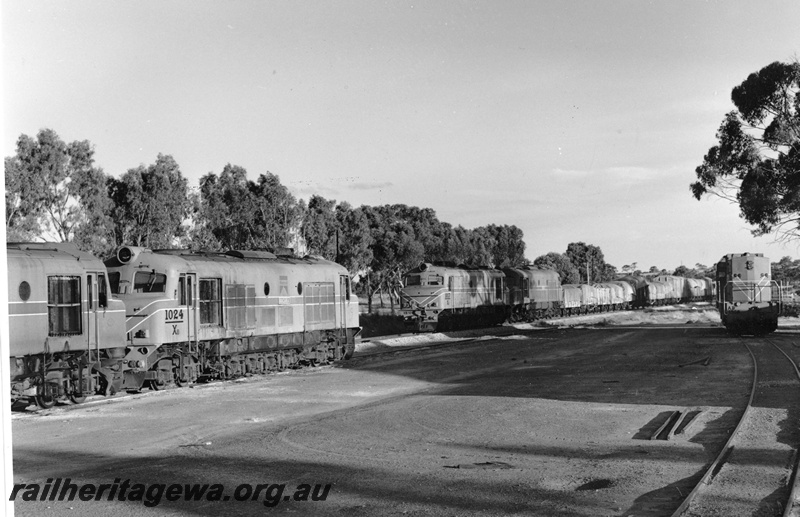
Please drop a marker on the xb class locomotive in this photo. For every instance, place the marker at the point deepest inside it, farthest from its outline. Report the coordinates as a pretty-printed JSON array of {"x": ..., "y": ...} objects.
[
  {"x": 197, "y": 316},
  {"x": 748, "y": 299},
  {"x": 78, "y": 326}
]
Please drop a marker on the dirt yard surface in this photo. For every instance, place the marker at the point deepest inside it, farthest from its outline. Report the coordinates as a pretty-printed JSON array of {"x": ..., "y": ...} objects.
[{"x": 550, "y": 421}]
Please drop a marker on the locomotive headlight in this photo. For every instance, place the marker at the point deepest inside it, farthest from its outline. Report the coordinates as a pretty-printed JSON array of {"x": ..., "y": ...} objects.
[
  {"x": 128, "y": 253},
  {"x": 124, "y": 255}
]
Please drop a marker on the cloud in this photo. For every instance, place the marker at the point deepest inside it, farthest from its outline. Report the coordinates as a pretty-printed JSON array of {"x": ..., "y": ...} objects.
[
  {"x": 367, "y": 185},
  {"x": 618, "y": 176},
  {"x": 334, "y": 188}
]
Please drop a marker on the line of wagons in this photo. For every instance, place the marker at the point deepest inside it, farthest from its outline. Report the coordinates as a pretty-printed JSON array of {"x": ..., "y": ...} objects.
[{"x": 441, "y": 296}]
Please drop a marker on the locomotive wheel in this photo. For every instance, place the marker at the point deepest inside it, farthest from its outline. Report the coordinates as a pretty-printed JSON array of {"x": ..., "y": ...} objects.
[
  {"x": 156, "y": 385},
  {"x": 45, "y": 400},
  {"x": 77, "y": 398}
]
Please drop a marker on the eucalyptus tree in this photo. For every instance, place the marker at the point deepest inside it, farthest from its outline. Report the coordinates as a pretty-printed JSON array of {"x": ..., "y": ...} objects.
[
  {"x": 355, "y": 241},
  {"x": 567, "y": 272},
  {"x": 236, "y": 213},
  {"x": 152, "y": 204},
  {"x": 224, "y": 211},
  {"x": 756, "y": 162},
  {"x": 508, "y": 249},
  {"x": 55, "y": 192},
  {"x": 277, "y": 212},
  {"x": 587, "y": 258},
  {"x": 320, "y": 228}
]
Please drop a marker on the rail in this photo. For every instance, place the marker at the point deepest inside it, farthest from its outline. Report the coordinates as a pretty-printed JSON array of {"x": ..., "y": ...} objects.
[{"x": 716, "y": 465}]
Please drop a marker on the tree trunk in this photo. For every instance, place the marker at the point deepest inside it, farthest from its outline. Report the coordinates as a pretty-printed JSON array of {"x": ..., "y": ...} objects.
[{"x": 369, "y": 295}]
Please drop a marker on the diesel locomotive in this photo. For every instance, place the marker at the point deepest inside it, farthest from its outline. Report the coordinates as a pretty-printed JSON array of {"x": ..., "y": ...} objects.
[
  {"x": 442, "y": 296},
  {"x": 197, "y": 316},
  {"x": 748, "y": 300},
  {"x": 79, "y": 326},
  {"x": 67, "y": 333}
]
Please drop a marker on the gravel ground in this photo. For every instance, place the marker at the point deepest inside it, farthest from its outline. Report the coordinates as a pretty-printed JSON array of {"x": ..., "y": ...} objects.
[{"x": 512, "y": 421}]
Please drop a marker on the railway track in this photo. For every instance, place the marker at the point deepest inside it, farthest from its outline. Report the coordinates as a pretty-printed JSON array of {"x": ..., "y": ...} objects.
[
  {"x": 755, "y": 472},
  {"x": 372, "y": 355}
]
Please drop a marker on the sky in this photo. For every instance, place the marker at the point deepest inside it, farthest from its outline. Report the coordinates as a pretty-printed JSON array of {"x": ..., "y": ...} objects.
[{"x": 573, "y": 120}]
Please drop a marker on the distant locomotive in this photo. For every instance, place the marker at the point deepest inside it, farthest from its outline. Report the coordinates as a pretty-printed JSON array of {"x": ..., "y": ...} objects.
[
  {"x": 748, "y": 299},
  {"x": 442, "y": 296},
  {"x": 78, "y": 326}
]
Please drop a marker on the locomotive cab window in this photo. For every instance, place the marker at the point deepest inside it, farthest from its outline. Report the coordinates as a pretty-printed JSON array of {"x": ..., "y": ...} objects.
[
  {"x": 102, "y": 291},
  {"x": 185, "y": 291},
  {"x": 64, "y": 305},
  {"x": 113, "y": 279},
  {"x": 413, "y": 280},
  {"x": 149, "y": 282},
  {"x": 435, "y": 280}
]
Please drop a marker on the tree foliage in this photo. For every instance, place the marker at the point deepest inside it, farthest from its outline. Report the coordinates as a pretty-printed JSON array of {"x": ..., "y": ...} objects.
[
  {"x": 786, "y": 271},
  {"x": 567, "y": 272},
  {"x": 277, "y": 211},
  {"x": 589, "y": 256},
  {"x": 151, "y": 204},
  {"x": 756, "y": 163},
  {"x": 54, "y": 192},
  {"x": 233, "y": 212},
  {"x": 320, "y": 227},
  {"x": 355, "y": 244}
]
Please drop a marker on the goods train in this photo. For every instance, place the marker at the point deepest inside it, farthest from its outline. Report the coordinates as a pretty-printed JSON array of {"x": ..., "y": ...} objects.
[
  {"x": 748, "y": 300},
  {"x": 146, "y": 318},
  {"x": 442, "y": 296}
]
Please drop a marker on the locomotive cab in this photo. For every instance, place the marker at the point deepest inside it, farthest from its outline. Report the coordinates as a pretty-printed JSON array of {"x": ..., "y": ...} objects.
[{"x": 748, "y": 299}]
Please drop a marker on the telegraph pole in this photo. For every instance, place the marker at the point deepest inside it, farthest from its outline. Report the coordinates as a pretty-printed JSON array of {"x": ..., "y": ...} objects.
[{"x": 588, "y": 278}]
